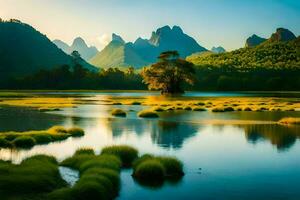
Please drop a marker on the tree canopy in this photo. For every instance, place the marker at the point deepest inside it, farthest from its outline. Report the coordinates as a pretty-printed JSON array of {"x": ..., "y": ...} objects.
[{"x": 169, "y": 73}]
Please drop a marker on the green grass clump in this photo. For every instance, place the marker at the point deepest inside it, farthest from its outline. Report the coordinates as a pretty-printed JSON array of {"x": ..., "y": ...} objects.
[
  {"x": 127, "y": 154},
  {"x": 148, "y": 114},
  {"x": 149, "y": 168},
  {"x": 187, "y": 108},
  {"x": 32, "y": 177},
  {"x": 24, "y": 142},
  {"x": 247, "y": 109},
  {"x": 5, "y": 143},
  {"x": 89, "y": 188},
  {"x": 199, "y": 109},
  {"x": 136, "y": 103},
  {"x": 289, "y": 120},
  {"x": 28, "y": 139},
  {"x": 76, "y": 132},
  {"x": 117, "y": 103},
  {"x": 158, "y": 109},
  {"x": 103, "y": 161},
  {"x": 46, "y": 109},
  {"x": 85, "y": 151},
  {"x": 228, "y": 109},
  {"x": 118, "y": 112},
  {"x": 218, "y": 110},
  {"x": 42, "y": 138},
  {"x": 76, "y": 160}
]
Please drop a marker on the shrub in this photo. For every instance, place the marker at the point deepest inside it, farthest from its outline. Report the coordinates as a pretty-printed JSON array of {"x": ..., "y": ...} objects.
[
  {"x": 126, "y": 153},
  {"x": 149, "y": 170},
  {"x": 118, "y": 112},
  {"x": 42, "y": 138},
  {"x": 76, "y": 132},
  {"x": 85, "y": 151},
  {"x": 24, "y": 142},
  {"x": 147, "y": 114}
]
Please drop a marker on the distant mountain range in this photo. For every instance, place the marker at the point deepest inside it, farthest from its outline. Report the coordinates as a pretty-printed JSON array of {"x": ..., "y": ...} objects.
[
  {"x": 79, "y": 45},
  {"x": 145, "y": 51},
  {"x": 281, "y": 34},
  {"x": 24, "y": 50},
  {"x": 280, "y": 51},
  {"x": 218, "y": 49}
]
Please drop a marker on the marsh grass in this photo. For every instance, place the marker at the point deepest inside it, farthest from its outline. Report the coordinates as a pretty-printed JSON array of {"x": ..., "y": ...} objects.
[
  {"x": 147, "y": 114},
  {"x": 118, "y": 112},
  {"x": 48, "y": 109},
  {"x": 28, "y": 139},
  {"x": 127, "y": 154},
  {"x": 219, "y": 109},
  {"x": 85, "y": 151},
  {"x": 158, "y": 109},
  {"x": 33, "y": 176},
  {"x": 152, "y": 170},
  {"x": 136, "y": 103},
  {"x": 199, "y": 109}
]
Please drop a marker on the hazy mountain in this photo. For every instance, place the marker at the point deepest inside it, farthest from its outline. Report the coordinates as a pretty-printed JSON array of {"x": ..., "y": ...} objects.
[
  {"x": 79, "y": 45},
  {"x": 254, "y": 40},
  {"x": 24, "y": 50},
  {"x": 218, "y": 49},
  {"x": 145, "y": 51},
  {"x": 280, "y": 44}
]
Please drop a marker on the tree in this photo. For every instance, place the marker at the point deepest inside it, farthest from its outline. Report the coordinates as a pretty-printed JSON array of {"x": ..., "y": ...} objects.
[{"x": 169, "y": 73}]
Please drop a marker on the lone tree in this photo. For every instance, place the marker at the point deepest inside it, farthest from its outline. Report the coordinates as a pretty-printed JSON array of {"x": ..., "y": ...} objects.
[{"x": 169, "y": 73}]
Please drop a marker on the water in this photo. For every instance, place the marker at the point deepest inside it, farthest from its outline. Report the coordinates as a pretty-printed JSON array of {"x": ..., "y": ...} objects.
[{"x": 242, "y": 161}]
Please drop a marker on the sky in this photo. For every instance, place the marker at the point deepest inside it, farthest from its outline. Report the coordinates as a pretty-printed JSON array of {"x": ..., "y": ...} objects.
[{"x": 225, "y": 23}]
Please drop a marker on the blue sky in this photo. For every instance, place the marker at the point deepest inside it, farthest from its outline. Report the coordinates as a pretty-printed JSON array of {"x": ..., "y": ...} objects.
[{"x": 211, "y": 22}]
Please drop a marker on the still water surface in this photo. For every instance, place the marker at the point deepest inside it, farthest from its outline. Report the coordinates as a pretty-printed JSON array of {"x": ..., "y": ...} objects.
[{"x": 260, "y": 161}]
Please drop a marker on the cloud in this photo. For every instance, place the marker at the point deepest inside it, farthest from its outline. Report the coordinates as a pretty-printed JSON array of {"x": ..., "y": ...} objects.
[{"x": 104, "y": 39}]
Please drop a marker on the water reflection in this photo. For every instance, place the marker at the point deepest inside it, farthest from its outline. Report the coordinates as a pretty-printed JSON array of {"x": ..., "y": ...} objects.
[{"x": 283, "y": 137}]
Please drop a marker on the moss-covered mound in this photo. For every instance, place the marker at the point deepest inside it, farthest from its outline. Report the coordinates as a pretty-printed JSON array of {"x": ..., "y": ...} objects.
[
  {"x": 118, "y": 112},
  {"x": 127, "y": 154},
  {"x": 28, "y": 139},
  {"x": 33, "y": 178},
  {"x": 152, "y": 170},
  {"x": 148, "y": 114}
]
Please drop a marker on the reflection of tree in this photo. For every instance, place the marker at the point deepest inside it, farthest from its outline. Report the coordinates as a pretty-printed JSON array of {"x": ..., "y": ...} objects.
[
  {"x": 120, "y": 126},
  {"x": 283, "y": 137},
  {"x": 172, "y": 134}
]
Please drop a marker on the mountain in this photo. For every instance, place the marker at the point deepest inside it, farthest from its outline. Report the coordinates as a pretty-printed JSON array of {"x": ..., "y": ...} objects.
[
  {"x": 79, "y": 45},
  {"x": 274, "y": 53},
  {"x": 145, "y": 51},
  {"x": 282, "y": 35},
  {"x": 24, "y": 50},
  {"x": 254, "y": 40},
  {"x": 218, "y": 49}
]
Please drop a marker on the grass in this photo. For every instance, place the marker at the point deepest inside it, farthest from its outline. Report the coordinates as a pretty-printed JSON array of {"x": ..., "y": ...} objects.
[
  {"x": 47, "y": 109},
  {"x": 127, "y": 154},
  {"x": 158, "y": 109},
  {"x": 218, "y": 110},
  {"x": 148, "y": 114},
  {"x": 118, "y": 112},
  {"x": 152, "y": 169},
  {"x": 24, "y": 142},
  {"x": 136, "y": 103},
  {"x": 28, "y": 139},
  {"x": 34, "y": 176},
  {"x": 289, "y": 120},
  {"x": 199, "y": 109},
  {"x": 85, "y": 151}
]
